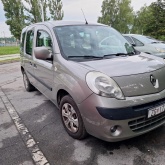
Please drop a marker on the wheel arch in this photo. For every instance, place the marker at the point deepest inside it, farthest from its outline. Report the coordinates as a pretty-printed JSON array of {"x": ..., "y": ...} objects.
[
  {"x": 22, "y": 69},
  {"x": 60, "y": 94}
]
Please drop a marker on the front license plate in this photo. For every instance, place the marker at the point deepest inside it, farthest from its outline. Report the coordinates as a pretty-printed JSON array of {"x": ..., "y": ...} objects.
[{"x": 155, "y": 111}]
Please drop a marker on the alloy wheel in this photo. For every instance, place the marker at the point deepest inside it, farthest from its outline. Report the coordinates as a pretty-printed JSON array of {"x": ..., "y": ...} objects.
[{"x": 70, "y": 118}]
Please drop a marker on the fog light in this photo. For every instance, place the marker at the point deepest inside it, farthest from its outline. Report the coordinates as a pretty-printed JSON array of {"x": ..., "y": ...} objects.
[{"x": 115, "y": 130}]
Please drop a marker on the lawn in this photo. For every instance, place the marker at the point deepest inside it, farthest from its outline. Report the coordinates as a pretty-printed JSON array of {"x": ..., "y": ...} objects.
[{"x": 9, "y": 50}]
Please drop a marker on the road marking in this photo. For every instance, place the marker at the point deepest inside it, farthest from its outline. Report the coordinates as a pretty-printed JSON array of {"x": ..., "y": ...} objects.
[{"x": 37, "y": 155}]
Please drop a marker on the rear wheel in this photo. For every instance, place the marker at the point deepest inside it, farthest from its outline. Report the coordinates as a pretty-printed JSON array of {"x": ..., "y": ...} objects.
[
  {"x": 71, "y": 118},
  {"x": 28, "y": 86}
]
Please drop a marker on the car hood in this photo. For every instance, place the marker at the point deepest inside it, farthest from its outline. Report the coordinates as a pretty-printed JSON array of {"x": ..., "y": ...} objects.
[
  {"x": 133, "y": 73},
  {"x": 158, "y": 45},
  {"x": 128, "y": 65}
]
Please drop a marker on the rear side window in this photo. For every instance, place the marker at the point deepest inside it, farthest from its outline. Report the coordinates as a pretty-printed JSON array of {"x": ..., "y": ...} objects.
[
  {"x": 128, "y": 39},
  {"x": 29, "y": 42},
  {"x": 22, "y": 41},
  {"x": 43, "y": 39},
  {"x": 137, "y": 42}
]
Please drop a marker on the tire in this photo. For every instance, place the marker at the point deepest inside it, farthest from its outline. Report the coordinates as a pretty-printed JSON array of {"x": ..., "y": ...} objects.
[
  {"x": 71, "y": 118},
  {"x": 28, "y": 86}
]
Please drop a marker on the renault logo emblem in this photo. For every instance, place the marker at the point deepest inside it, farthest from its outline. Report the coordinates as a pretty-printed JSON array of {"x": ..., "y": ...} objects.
[{"x": 154, "y": 81}]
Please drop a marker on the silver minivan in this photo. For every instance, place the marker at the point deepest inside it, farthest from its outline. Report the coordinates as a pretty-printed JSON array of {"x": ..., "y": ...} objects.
[{"x": 99, "y": 82}]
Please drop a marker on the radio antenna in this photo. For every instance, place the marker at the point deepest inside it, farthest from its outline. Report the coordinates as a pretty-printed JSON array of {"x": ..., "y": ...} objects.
[{"x": 84, "y": 17}]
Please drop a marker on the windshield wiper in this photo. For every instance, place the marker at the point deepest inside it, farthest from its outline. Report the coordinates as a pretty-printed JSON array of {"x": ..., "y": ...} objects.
[
  {"x": 86, "y": 57},
  {"x": 120, "y": 54}
]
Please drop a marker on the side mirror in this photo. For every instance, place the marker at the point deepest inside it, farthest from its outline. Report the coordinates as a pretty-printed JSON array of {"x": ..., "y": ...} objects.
[
  {"x": 42, "y": 53},
  {"x": 133, "y": 45}
]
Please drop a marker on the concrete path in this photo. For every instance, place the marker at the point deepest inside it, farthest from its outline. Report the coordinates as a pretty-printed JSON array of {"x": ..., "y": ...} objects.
[{"x": 9, "y": 57}]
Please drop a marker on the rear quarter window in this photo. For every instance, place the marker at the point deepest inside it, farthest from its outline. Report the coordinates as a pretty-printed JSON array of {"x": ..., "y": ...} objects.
[
  {"x": 22, "y": 41},
  {"x": 29, "y": 42},
  {"x": 128, "y": 39}
]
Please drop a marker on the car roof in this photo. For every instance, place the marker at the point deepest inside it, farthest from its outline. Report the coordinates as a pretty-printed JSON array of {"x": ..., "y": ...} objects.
[
  {"x": 52, "y": 24},
  {"x": 132, "y": 35}
]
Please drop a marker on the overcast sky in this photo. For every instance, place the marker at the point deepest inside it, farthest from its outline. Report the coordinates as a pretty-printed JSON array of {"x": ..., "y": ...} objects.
[{"x": 72, "y": 11}]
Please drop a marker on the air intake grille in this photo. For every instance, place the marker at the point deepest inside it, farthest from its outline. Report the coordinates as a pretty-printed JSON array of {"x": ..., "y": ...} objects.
[{"x": 143, "y": 124}]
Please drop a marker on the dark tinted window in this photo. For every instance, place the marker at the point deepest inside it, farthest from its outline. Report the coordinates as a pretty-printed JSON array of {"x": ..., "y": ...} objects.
[
  {"x": 29, "y": 42},
  {"x": 129, "y": 39},
  {"x": 137, "y": 42},
  {"x": 22, "y": 41}
]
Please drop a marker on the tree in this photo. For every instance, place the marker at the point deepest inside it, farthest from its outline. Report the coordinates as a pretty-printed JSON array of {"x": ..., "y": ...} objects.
[
  {"x": 19, "y": 15},
  {"x": 55, "y": 7},
  {"x": 34, "y": 14},
  {"x": 141, "y": 19},
  {"x": 156, "y": 25},
  {"x": 117, "y": 13},
  {"x": 150, "y": 20},
  {"x": 15, "y": 16}
]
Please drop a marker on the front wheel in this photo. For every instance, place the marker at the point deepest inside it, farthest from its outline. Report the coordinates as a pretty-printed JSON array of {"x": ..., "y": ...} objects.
[{"x": 71, "y": 118}]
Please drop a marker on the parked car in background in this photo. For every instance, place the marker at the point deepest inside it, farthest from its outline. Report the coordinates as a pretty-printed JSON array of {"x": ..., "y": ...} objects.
[
  {"x": 145, "y": 44},
  {"x": 99, "y": 82},
  {"x": 155, "y": 39}
]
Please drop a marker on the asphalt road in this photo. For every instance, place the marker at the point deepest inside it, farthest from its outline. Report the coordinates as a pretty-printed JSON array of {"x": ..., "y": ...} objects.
[{"x": 26, "y": 115}]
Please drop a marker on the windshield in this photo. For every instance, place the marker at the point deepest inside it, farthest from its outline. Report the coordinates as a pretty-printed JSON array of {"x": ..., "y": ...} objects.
[
  {"x": 90, "y": 40},
  {"x": 145, "y": 39}
]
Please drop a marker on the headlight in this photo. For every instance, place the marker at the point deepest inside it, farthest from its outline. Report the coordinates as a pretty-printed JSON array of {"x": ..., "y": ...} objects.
[
  {"x": 160, "y": 50},
  {"x": 103, "y": 85}
]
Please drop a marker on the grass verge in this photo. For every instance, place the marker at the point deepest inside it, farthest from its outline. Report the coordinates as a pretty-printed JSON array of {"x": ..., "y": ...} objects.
[{"x": 6, "y": 50}]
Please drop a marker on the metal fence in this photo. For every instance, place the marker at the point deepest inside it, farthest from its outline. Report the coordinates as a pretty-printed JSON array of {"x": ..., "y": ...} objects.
[{"x": 9, "y": 44}]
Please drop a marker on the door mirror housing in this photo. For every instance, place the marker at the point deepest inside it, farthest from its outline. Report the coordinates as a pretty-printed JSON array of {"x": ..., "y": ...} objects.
[
  {"x": 42, "y": 53},
  {"x": 134, "y": 45}
]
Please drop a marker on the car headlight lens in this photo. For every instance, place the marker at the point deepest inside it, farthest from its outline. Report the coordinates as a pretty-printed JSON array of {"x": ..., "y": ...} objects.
[
  {"x": 103, "y": 85},
  {"x": 160, "y": 50}
]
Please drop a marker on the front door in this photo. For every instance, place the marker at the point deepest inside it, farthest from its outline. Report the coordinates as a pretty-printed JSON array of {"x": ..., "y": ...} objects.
[{"x": 43, "y": 69}]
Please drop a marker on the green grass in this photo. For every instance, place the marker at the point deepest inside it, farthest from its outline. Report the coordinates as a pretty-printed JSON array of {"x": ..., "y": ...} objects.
[{"x": 9, "y": 50}]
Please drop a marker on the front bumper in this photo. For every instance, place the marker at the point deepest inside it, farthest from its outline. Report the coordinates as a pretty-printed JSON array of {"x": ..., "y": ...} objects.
[{"x": 100, "y": 114}]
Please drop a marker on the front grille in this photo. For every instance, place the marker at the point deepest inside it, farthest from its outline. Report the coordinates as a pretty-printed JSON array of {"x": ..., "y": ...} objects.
[{"x": 143, "y": 124}]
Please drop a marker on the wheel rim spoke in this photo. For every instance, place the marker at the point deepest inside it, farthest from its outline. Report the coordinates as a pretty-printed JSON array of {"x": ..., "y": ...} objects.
[
  {"x": 73, "y": 128},
  {"x": 65, "y": 114},
  {"x": 70, "y": 118},
  {"x": 75, "y": 121},
  {"x": 65, "y": 106},
  {"x": 67, "y": 122},
  {"x": 72, "y": 111}
]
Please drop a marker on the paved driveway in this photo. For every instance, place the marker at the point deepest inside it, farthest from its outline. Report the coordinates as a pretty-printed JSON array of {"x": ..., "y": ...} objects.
[
  {"x": 9, "y": 57},
  {"x": 33, "y": 133}
]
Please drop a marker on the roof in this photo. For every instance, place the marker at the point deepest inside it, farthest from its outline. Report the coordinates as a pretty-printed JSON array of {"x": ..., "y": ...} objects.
[
  {"x": 132, "y": 35},
  {"x": 52, "y": 24}
]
